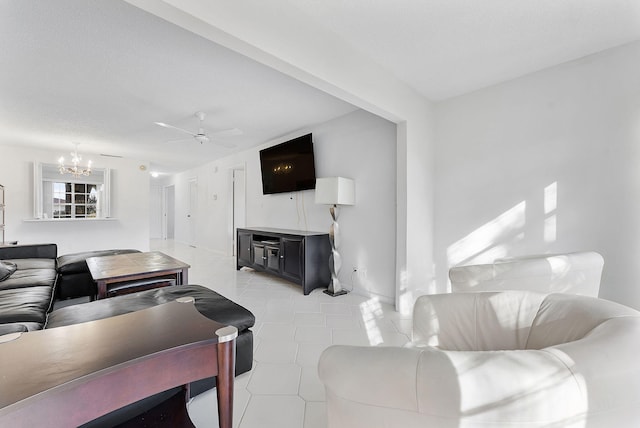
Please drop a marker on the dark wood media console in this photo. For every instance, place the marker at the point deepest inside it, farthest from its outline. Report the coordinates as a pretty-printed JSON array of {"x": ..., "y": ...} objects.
[{"x": 298, "y": 256}]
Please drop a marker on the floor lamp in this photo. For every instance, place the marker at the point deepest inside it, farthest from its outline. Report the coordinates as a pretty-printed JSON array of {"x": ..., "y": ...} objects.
[{"x": 335, "y": 191}]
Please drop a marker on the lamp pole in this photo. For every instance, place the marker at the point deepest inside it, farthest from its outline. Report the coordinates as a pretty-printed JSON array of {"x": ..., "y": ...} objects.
[{"x": 335, "y": 260}]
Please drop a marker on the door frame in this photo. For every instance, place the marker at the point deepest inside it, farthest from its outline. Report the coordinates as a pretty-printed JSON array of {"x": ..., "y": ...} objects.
[
  {"x": 168, "y": 211},
  {"x": 192, "y": 190},
  {"x": 234, "y": 193}
]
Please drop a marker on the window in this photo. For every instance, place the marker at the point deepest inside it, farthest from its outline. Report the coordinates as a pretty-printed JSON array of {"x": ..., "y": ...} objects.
[
  {"x": 58, "y": 196},
  {"x": 73, "y": 200}
]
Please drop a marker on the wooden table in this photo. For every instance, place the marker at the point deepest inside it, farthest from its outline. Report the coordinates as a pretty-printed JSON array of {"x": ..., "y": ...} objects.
[
  {"x": 131, "y": 267},
  {"x": 67, "y": 376}
]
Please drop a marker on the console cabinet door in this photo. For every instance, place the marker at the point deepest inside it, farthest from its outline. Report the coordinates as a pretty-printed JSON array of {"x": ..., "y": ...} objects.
[
  {"x": 259, "y": 255},
  {"x": 292, "y": 258},
  {"x": 244, "y": 249},
  {"x": 272, "y": 262}
]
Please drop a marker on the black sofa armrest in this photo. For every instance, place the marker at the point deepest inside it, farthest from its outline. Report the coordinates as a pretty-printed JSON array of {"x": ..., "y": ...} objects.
[
  {"x": 35, "y": 251},
  {"x": 12, "y": 328}
]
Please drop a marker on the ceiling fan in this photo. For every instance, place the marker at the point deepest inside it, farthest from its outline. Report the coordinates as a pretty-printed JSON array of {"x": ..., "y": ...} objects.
[{"x": 203, "y": 137}]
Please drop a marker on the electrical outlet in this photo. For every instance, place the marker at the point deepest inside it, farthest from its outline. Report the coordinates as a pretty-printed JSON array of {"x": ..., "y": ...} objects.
[{"x": 360, "y": 272}]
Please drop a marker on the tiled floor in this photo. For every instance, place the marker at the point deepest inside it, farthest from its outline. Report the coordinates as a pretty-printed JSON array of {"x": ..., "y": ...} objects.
[{"x": 291, "y": 331}]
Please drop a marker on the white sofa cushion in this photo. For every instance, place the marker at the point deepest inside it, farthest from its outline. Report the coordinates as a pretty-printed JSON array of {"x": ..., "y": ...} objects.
[
  {"x": 489, "y": 386},
  {"x": 475, "y": 322},
  {"x": 564, "y": 318},
  {"x": 575, "y": 273}
]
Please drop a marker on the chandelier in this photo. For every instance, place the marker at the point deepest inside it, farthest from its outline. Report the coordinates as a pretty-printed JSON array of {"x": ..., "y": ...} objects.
[{"x": 75, "y": 170}]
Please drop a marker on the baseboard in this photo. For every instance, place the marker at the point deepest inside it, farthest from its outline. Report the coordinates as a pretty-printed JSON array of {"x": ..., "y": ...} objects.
[{"x": 367, "y": 293}]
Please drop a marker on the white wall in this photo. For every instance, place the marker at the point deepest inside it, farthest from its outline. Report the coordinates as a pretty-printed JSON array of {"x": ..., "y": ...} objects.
[
  {"x": 361, "y": 146},
  {"x": 546, "y": 163},
  {"x": 155, "y": 211},
  {"x": 129, "y": 205},
  {"x": 323, "y": 60}
]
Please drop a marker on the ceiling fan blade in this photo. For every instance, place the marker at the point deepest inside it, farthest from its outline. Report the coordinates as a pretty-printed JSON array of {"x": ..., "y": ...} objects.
[
  {"x": 232, "y": 132},
  {"x": 180, "y": 140},
  {"x": 166, "y": 125}
]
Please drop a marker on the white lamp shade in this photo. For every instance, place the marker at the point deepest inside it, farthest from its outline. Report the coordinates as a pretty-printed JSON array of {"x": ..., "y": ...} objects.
[{"x": 335, "y": 191}]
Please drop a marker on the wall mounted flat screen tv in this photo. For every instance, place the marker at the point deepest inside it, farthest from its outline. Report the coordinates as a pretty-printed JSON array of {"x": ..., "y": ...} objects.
[{"x": 288, "y": 167}]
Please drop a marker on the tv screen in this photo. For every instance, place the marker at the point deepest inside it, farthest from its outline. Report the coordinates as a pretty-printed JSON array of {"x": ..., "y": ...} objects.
[{"x": 288, "y": 167}]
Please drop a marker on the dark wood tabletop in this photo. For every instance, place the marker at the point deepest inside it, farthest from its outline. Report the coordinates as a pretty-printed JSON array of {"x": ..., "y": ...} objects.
[
  {"x": 124, "y": 265},
  {"x": 67, "y": 376},
  {"x": 121, "y": 268}
]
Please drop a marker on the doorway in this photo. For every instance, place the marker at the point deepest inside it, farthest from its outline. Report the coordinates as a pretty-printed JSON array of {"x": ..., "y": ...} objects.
[
  {"x": 193, "y": 209},
  {"x": 169, "y": 213},
  {"x": 156, "y": 213},
  {"x": 239, "y": 205}
]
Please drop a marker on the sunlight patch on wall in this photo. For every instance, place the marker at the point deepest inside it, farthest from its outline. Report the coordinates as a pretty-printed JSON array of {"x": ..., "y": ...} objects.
[
  {"x": 550, "y": 206},
  {"x": 488, "y": 236},
  {"x": 550, "y": 228},
  {"x": 551, "y": 198},
  {"x": 404, "y": 303}
]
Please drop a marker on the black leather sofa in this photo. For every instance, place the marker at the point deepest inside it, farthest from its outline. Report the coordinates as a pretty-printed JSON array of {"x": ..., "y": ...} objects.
[{"x": 27, "y": 297}]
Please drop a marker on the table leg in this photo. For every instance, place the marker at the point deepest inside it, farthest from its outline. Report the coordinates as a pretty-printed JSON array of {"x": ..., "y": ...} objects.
[
  {"x": 102, "y": 289},
  {"x": 226, "y": 374}
]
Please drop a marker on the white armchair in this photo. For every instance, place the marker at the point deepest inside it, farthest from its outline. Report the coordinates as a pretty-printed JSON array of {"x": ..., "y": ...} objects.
[
  {"x": 575, "y": 273},
  {"x": 494, "y": 359}
]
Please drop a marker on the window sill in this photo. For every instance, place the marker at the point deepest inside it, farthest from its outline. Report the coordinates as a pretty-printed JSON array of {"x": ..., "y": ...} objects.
[{"x": 58, "y": 220}]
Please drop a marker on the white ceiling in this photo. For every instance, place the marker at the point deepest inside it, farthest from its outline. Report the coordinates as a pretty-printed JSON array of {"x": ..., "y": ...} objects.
[
  {"x": 101, "y": 72},
  {"x": 445, "y": 48}
]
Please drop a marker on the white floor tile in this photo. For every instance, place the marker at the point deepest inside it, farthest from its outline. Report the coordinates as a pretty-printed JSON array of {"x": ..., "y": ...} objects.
[
  {"x": 309, "y": 319},
  {"x": 276, "y": 351},
  {"x": 313, "y": 334},
  {"x": 203, "y": 409},
  {"x": 343, "y": 321},
  {"x": 285, "y": 316},
  {"x": 307, "y": 304},
  {"x": 291, "y": 331},
  {"x": 311, "y": 389},
  {"x": 394, "y": 339},
  {"x": 270, "y": 411},
  {"x": 275, "y": 379},
  {"x": 404, "y": 326},
  {"x": 309, "y": 354},
  {"x": 335, "y": 308},
  {"x": 357, "y": 337},
  {"x": 315, "y": 415},
  {"x": 381, "y": 324},
  {"x": 278, "y": 305},
  {"x": 276, "y": 331}
]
